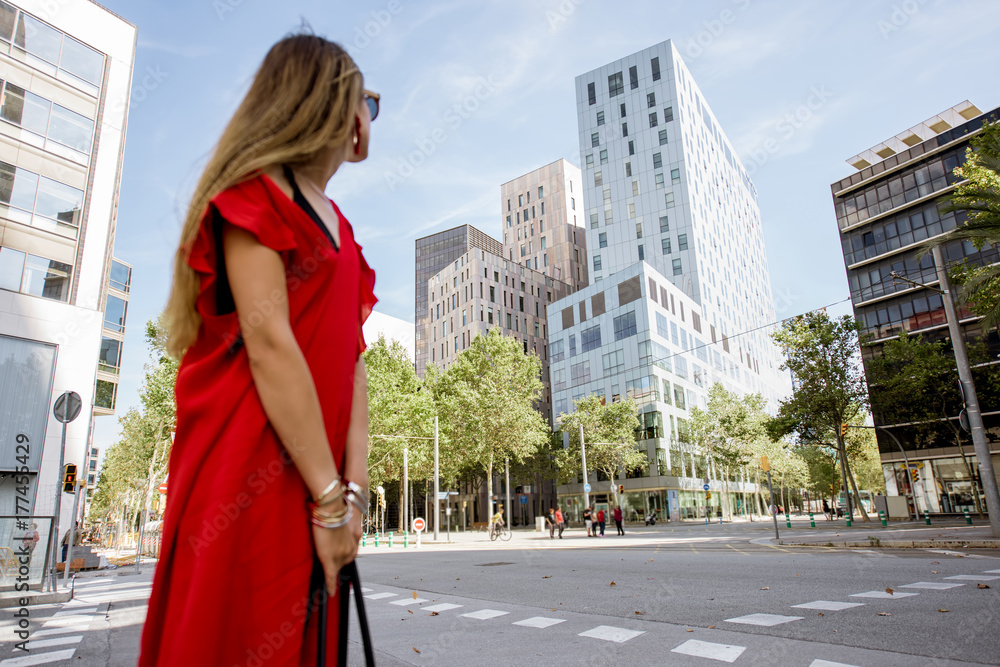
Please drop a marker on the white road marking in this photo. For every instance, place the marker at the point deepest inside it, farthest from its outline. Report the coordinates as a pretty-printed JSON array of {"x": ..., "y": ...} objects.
[
  {"x": 958, "y": 553},
  {"x": 66, "y": 621},
  {"x": 992, "y": 571},
  {"x": 80, "y": 627},
  {"x": 612, "y": 634},
  {"x": 827, "y": 605},
  {"x": 485, "y": 614},
  {"x": 873, "y": 554},
  {"x": 827, "y": 663},
  {"x": 882, "y": 595},
  {"x": 710, "y": 650},
  {"x": 406, "y": 601},
  {"x": 539, "y": 622},
  {"x": 379, "y": 596},
  {"x": 90, "y": 610},
  {"x": 57, "y": 641},
  {"x": 766, "y": 620},
  {"x": 932, "y": 585},
  {"x": 973, "y": 577},
  {"x": 39, "y": 658},
  {"x": 444, "y": 606}
]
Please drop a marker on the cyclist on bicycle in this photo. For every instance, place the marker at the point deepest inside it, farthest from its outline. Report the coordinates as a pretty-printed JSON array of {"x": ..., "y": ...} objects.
[{"x": 496, "y": 521}]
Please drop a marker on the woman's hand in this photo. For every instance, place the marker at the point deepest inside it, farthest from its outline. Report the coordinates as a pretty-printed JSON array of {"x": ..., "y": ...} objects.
[{"x": 336, "y": 547}]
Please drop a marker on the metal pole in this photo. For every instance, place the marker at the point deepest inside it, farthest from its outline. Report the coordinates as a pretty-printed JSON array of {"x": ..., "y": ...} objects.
[
  {"x": 72, "y": 533},
  {"x": 406, "y": 491},
  {"x": 510, "y": 512},
  {"x": 842, "y": 454},
  {"x": 773, "y": 509},
  {"x": 979, "y": 441},
  {"x": 583, "y": 456},
  {"x": 906, "y": 461},
  {"x": 437, "y": 482},
  {"x": 53, "y": 584}
]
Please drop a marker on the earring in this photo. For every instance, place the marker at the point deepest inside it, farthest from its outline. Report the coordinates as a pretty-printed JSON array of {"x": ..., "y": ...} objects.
[{"x": 357, "y": 136}]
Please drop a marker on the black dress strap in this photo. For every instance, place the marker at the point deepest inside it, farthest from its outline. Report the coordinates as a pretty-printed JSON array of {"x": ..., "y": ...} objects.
[{"x": 304, "y": 204}]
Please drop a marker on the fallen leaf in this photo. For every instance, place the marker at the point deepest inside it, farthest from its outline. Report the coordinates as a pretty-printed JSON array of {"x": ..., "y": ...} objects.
[
  {"x": 944, "y": 610},
  {"x": 982, "y": 586},
  {"x": 640, "y": 613},
  {"x": 935, "y": 562},
  {"x": 690, "y": 630},
  {"x": 458, "y": 578},
  {"x": 395, "y": 577},
  {"x": 933, "y": 571},
  {"x": 819, "y": 613},
  {"x": 553, "y": 610},
  {"x": 711, "y": 627},
  {"x": 613, "y": 583},
  {"x": 766, "y": 588},
  {"x": 884, "y": 613},
  {"x": 798, "y": 575},
  {"x": 409, "y": 611},
  {"x": 650, "y": 560},
  {"x": 435, "y": 613},
  {"x": 416, "y": 649},
  {"x": 959, "y": 556},
  {"x": 547, "y": 576},
  {"x": 889, "y": 591}
]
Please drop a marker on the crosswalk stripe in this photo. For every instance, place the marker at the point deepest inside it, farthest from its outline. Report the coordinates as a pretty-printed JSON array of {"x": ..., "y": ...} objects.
[
  {"x": 56, "y": 641},
  {"x": 931, "y": 585},
  {"x": 827, "y": 605},
  {"x": 407, "y": 601},
  {"x": 444, "y": 606},
  {"x": 992, "y": 572},
  {"x": 47, "y": 632},
  {"x": 67, "y": 620},
  {"x": 973, "y": 577},
  {"x": 710, "y": 650},
  {"x": 826, "y": 663},
  {"x": 379, "y": 596},
  {"x": 485, "y": 614},
  {"x": 38, "y": 658},
  {"x": 539, "y": 622},
  {"x": 766, "y": 620},
  {"x": 612, "y": 634},
  {"x": 76, "y": 611},
  {"x": 882, "y": 595}
]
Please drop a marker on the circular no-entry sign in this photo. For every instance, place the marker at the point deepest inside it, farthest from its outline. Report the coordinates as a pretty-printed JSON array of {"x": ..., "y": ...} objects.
[
  {"x": 163, "y": 488},
  {"x": 418, "y": 524},
  {"x": 67, "y": 407}
]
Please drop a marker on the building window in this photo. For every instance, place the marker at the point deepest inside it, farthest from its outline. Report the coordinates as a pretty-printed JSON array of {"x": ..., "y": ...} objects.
[
  {"x": 592, "y": 93},
  {"x": 652, "y": 119},
  {"x": 572, "y": 343},
  {"x": 543, "y": 243},
  {"x": 677, "y": 267},
  {"x": 558, "y": 378},
  {"x": 590, "y": 339},
  {"x": 608, "y": 216},
  {"x": 104, "y": 394},
  {"x": 493, "y": 294},
  {"x": 635, "y": 188},
  {"x": 593, "y": 221},
  {"x": 556, "y": 351},
  {"x": 633, "y": 77},
  {"x": 613, "y": 362},
  {"x": 669, "y": 199},
  {"x": 628, "y": 168},
  {"x": 600, "y": 118},
  {"x": 631, "y": 210},
  {"x": 121, "y": 277},
  {"x": 682, "y": 241},
  {"x": 654, "y": 65},
  {"x": 509, "y": 223},
  {"x": 663, "y": 137},
  {"x": 616, "y": 85},
  {"x": 604, "y": 156},
  {"x": 664, "y": 224},
  {"x": 40, "y": 202},
  {"x": 572, "y": 203},
  {"x": 659, "y": 181},
  {"x": 642, "y": 253},
  {"x": 580, "y": 372},
  {"x": 597, "y": 262},
  {"x": 622, "y": 107},
  {"x": 631, "y": 148},
  {"x": 590, "y": 159},
  {"x": 595, "y": 140},
  {"x": 638, "y": 230},
  {"x": 625, "y": 325},
  {"x": 110, "y": 355},
  {"x": 675, "y": 175},
  {"x": 629, "y": 290},
  {"x": 665, "y": 244},
  {"x": 523, "y": 250},
  {"x": 650, "y": 100},
  {"x": 38, "y": 276},
  {"x": 598, "y": 178},
  {"x": 657, "y": 161},
  {"x": 624, "y": 129},
  {"x": 602, "y": 240},
  {"x": 668, "y": 114},
  {"x": 545, "y": 259}
]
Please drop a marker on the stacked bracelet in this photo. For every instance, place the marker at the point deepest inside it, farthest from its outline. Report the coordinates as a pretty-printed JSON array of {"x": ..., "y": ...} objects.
[
  {"x": 323, "y": 499},
  {"x": 324, "y": 520},
  {"x": 356, "y": 494}
]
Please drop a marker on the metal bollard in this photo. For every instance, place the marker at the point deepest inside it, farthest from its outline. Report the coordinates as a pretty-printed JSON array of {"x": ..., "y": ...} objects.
[
  {"x": 848, "y": 517},
  {"x": 968, "y": 519},
  {"x": 881, "y": 516},
  {"x": 406, "y": 540},
  {"x": 390, "y": 539},
  {"x": 376, "y": 540},
  {"x": 788, "y": 520},
  {"x": 812, "y": 520},
  {"x": 364, "y": 538},
  {"x": 927, "y": 517}
]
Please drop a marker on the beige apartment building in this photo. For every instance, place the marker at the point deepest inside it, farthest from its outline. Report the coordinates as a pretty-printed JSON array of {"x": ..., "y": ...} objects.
[{"x": 543, "y": 225}]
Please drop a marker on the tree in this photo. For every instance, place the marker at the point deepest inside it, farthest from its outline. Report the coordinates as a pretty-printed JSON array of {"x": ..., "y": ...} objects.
[
  {"x": 829, "y": 386},
  {"x": 486, "y": 399},
  {"x": 979, "y": 198},
  {"x": 609, "y": 436},
  {"x": 911, "y": 367}
]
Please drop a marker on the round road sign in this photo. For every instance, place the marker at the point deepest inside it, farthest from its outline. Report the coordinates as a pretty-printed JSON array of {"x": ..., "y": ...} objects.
[
  {"x": 163, "y": 488},
  {"x": 586, "y": 488},
  {"x": 67, "y": 407},
  {"x": 705, "y": 487},
  {"x": 418, "y": 524}
]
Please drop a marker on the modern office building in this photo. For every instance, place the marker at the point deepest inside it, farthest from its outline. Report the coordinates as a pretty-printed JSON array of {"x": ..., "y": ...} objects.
[
  {"x": 636, "y": 334},
  {"x": 542, "y": 213},
  {"x": 662, "y": 184},
  {"x": 480, "y": 291},
  {"x": 66, "y": 71},
  {"x": 434, "y": 253},
  {"x": 885, "y": 210}
]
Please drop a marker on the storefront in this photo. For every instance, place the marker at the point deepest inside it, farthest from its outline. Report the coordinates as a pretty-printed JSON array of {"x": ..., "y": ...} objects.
[{"x": 938, "y": 486}]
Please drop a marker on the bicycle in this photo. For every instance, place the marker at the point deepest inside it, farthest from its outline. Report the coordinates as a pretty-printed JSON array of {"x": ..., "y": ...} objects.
[{"x": 501, "y": 531}]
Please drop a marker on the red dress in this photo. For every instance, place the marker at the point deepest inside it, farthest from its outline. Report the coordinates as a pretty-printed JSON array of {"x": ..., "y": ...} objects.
[{"x": 233, "y": 580}]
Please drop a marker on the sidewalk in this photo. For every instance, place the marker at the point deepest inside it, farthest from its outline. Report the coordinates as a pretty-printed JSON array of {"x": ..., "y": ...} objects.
[{"x": 946, "y": 535}]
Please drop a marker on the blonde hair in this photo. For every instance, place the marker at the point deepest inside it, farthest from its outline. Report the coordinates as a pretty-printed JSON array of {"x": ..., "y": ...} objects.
[{"x": 302, "y": 101}]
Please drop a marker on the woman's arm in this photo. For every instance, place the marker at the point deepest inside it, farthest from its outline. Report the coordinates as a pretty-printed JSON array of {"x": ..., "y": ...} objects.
[{"x": 356, "y": 463}]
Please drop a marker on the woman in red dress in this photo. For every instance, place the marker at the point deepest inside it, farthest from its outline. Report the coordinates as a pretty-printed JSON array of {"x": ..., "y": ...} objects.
[{"x": 268, "y": 473}]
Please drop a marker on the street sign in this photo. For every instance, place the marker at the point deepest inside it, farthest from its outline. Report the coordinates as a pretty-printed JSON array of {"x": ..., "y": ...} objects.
[
  {"x": 963, "y": 419},
  {"x": 442, "y": 495},
  {"x": 163, "y": 488},
  {"x": 586, "y": 488},
  {"x": 524, "y": 500},
  {"x": 765, "y": 465},
  {"x": 705, "y": 487},
  {"x": 418, "y": 524},
  {"x": 67, "y": 407}
]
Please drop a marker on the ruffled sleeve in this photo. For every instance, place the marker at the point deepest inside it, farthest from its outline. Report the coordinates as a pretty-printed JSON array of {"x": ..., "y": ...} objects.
[
  {"x": 249, "y": 206},
  {"x": 366, "y": 296}
]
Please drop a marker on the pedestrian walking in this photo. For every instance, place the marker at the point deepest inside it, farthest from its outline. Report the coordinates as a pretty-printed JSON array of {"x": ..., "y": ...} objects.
[
  {"x": 560, "y": 522},
  {"x": 268, "y": 471},
  {"x": 550, "y": 521},
  {"x": 600, "y": 521},
  {"x": 619, "y": 519},
  {"x": 31, "y": 539},
  {"x": 826, "y": 509},
  {"x": 588, "y": 521}
]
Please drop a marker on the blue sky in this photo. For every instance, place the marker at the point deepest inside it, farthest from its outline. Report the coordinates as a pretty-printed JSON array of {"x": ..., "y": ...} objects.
[{"x": 879, "y": 67}]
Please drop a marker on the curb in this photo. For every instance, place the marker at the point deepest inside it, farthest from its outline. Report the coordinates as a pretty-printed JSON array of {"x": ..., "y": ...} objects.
[
  {"x": 38, "y": 598},
  {"x": 904, "y": 544}
]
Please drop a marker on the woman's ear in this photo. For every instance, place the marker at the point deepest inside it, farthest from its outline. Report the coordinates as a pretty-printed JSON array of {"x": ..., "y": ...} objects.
[{"x": 357, "y": 135}]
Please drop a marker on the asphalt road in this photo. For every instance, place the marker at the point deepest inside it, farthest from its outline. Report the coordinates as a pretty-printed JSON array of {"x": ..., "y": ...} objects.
[{"x": 693, "y": 586}]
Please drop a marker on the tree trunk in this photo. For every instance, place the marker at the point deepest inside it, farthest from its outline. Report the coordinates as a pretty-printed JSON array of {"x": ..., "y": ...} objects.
[
  {"x": 857, "y": 496},
  {"x": 968, "y": 471},
  {"x": 760, "y": 495},
  {"x": 489, "y": 488}
]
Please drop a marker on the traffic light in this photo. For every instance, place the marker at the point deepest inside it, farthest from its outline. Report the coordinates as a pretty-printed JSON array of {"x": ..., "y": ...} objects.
[
  {"x": 914, "y": 474},
  {"x": 831, "y": 488},
  {"x": 69, "y": 478},
  {"x": 708, "y": 495},
  {"x": 621, "y": 489},
  {"x": 843, "y": 430}
]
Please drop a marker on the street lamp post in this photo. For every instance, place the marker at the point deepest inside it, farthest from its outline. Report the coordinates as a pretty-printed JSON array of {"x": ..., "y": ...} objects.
[{"x": 583, "y": 457}]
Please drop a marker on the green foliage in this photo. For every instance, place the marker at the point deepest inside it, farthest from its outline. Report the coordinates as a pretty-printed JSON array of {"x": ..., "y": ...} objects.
[
  {"x": 732, "y": 428},
  {"x": 609, "y": 435}
]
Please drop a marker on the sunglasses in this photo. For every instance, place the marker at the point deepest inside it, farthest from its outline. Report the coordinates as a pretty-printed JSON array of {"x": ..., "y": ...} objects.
[{"x": 371, "y": 99}]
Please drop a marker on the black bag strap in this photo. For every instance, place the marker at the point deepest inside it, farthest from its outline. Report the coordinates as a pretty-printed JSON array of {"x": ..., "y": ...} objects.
[{"x": 348, "y": 577}]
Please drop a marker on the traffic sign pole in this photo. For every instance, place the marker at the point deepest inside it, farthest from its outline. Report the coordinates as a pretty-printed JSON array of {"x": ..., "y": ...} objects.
[
  {"x": 437, "y": 483},
  {"x": 67, "y": 408},
  {"x": 583, "y": 459}
]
